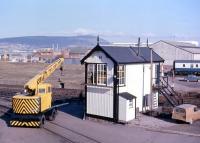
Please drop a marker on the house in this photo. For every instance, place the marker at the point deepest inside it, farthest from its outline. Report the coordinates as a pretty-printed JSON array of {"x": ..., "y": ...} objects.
[
  {"x": 18, "y": 57},
  {"x": 172, "y": 50},
  {"x": 74, "y": 55},
  {"x": 5, "y": 57},
  {"x": 119, "y": 78}
]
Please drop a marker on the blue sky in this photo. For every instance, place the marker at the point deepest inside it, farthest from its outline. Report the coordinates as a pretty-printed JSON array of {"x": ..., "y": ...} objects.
[{"x": 113, "y": 19}]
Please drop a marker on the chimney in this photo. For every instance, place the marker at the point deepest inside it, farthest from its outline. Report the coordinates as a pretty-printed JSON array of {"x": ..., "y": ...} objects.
[
  {"x": 138, "y": 53},
  {"x": 98, "y": 40},
  {"x": 147, "y": 43}
]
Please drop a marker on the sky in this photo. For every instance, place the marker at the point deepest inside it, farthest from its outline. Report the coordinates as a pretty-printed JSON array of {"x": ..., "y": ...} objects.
[{"x": 115, "y": 20}]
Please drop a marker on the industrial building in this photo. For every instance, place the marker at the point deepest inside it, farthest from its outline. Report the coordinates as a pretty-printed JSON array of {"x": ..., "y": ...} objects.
[
  {"x": 118, "y": 81},
  {"x": 171, "y": 51}
]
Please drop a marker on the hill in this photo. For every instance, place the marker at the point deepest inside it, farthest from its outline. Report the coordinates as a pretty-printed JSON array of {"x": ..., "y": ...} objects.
[{"x": 49, "y": 41}]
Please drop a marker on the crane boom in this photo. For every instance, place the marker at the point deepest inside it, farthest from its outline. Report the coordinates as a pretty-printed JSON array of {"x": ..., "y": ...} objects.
[{"x": 32, "y": 84}]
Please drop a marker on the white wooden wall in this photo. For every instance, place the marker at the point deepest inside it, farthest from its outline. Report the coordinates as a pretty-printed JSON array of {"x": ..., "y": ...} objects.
[{"x": 100, "y": 101}]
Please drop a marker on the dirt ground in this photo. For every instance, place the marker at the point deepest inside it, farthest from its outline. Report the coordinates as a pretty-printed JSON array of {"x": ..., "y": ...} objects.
[{"x": 20, "y": 73}]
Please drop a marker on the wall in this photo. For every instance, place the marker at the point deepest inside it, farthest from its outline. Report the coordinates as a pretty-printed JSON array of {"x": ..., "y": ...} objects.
[
  {"x": 196, "y": 56},
  {"x": 170, "y": 53},
  {"x": 100, "y": 101},
  {"x": 138, "y": 81}
]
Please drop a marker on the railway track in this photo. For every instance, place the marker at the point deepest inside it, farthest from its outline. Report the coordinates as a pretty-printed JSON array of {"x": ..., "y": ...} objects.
[
  {"x": 69, "y": 134},
  {"x": 5, "y": 110}
]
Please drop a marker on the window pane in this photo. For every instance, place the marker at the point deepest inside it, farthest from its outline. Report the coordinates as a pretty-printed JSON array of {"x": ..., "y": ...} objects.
[
  {"x": 41, "y": 90},
  {"x": 102, "y": 74},
  {"x": 91, "y": 74},
  {"x": 121, "y": 74}
]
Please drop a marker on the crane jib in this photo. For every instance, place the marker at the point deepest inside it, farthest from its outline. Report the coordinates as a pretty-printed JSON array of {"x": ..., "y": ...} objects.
[{"x": 42, "y": 76}]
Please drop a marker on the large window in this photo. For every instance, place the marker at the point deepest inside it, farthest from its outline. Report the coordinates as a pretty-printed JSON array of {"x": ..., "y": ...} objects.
[
  {"x": 121, "y": 74},
  {"x": 97, "y": 74}
]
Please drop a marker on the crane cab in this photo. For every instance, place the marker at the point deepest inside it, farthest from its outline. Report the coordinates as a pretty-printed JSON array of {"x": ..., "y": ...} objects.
[{"x": 44, "y": 91}]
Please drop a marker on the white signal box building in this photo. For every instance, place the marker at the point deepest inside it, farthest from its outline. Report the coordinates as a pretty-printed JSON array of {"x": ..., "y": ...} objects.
[{"x": 118, "y": 81}]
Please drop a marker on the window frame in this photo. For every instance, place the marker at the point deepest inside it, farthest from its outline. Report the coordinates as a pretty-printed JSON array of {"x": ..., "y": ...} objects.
[
  {"x": 120, "y": 73},
  {"x": 95, "y": 72}
]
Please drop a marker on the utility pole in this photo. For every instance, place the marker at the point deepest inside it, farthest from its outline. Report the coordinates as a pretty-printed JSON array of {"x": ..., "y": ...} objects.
[{"x": 151, "y": 76}]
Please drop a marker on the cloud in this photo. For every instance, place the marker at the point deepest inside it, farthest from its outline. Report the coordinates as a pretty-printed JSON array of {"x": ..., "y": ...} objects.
[
  {"x": 148, "y": 34},
  {"x": 84, "y": 31}
]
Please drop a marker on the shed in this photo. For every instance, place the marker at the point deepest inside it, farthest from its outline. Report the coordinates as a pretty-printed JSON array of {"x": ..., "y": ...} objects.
[
  {"x": 127, "y": 107},
  {"x": 172, "y": 50}
]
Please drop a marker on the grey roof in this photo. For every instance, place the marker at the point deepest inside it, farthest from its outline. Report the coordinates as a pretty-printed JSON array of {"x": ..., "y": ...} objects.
[
  {"x": 126, "y": 55},
  {"x": 130, "y": 54},
  {"x": 127, "y": 95},
  {"x": 177, "y": 43},
  {"x": 187, "y": 61},
  {"x": 189, "y": 47}
]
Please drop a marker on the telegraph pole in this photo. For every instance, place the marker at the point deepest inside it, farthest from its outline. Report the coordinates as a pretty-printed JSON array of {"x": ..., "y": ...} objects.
[{"x": 151, "y": 76}]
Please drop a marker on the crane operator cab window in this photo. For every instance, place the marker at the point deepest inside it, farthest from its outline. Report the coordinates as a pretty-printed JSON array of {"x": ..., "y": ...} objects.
[
  {"x": 41, "y": 90},
  {"x": 49, "y": 89}
]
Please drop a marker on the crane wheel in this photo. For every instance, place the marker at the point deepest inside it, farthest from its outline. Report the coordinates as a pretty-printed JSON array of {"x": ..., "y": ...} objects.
[
  {"x": 52, "y": 115},
  {"x": 42, "y": 121}
]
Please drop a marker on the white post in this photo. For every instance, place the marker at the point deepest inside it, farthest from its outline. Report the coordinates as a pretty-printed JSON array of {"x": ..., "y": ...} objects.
[{"x": 151, "y": 80}]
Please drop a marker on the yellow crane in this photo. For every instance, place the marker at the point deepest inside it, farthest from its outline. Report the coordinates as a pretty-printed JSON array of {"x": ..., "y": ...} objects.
[{"x": 34, "y": 106}]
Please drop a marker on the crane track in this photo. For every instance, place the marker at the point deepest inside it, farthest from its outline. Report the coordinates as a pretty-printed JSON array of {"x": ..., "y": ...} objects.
[
  {"x": 72, "y": 131},
  {"x": 5, "y": 110},
  {"x": 66, "y": 139}
]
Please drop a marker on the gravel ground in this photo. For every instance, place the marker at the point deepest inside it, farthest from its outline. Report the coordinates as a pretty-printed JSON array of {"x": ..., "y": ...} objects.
[
  {"x": 20, "y": 73},
  {"x": 184, "y": 86}
]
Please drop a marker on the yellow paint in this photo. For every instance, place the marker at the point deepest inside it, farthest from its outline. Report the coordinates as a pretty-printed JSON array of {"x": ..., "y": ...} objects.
[{"x": 25, "y": 123}]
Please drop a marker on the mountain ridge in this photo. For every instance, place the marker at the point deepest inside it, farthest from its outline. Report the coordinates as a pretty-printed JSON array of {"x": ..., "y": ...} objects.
[{"x": 49, "y": 41}]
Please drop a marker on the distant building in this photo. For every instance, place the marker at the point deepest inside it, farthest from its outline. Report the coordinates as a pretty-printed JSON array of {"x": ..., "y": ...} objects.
[
  {"x": 18, "y": 57},
  {"x": 73, "y": 56},
  {"x": 171, "y": 51},
  {"x": 45, "y": 55},
  {"x": 5, "y": 57}
]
